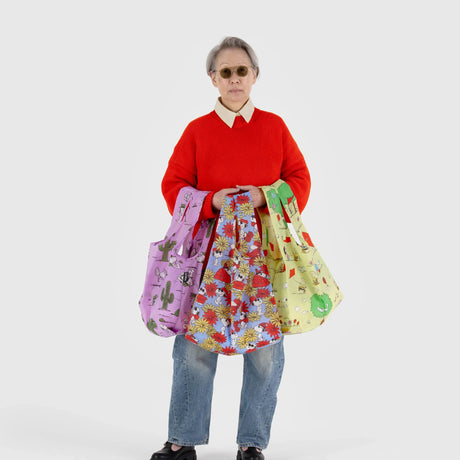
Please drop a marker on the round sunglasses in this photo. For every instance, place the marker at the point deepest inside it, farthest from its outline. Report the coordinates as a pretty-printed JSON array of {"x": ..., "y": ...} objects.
[{"x": 226, "y": 72}]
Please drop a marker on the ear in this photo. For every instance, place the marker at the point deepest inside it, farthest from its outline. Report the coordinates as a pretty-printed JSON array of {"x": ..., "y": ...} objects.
[{"x": 212, "y": 75}]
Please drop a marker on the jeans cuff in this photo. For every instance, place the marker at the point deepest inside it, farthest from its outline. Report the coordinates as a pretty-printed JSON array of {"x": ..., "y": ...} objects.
[
  {"x": 187, "y": 443},
  {"x": 250, "y": 444}
]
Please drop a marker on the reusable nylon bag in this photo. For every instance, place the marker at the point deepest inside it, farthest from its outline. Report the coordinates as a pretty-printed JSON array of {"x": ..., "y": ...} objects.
[
  {"x": 235, "y": 311},
  {"x": 174, "y": 267},
  {"x": 304, "y": 289}
]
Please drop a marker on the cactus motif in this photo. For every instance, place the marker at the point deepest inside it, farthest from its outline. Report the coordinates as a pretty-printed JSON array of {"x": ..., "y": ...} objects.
[
  {"x": 165, "y": 249},
  {"x": 167, "y": 296},
  {"x": 152, "y": 325}
]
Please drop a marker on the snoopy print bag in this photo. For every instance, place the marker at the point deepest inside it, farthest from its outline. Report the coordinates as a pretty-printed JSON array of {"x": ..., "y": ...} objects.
[
  {"x": 303, "y": 286},
  {"x": 174, "y": 267},
  {"x": 235, "y": 311}
]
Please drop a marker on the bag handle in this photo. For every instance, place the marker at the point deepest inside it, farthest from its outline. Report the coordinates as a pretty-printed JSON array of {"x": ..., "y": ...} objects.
[
  {"x": 279, "y": 197},
  {"x": 244, "y": 212},
  {"x": 186, "y": 213}
]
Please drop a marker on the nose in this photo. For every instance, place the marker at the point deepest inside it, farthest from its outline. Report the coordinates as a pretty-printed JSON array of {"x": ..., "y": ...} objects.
[{"x": 234, "y": 77}]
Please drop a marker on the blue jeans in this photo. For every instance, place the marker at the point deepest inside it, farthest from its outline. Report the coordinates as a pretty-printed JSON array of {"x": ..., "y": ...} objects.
[{"x": 191, "y": 395}]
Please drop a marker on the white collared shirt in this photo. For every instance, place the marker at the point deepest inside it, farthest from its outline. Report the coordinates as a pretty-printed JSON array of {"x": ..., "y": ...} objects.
[{"x": 228, "y": 116}]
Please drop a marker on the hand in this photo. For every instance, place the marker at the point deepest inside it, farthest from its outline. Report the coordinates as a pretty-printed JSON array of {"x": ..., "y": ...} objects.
[
  {"x": 257, "y": 196},
  {"x": 218, "y": 197}
]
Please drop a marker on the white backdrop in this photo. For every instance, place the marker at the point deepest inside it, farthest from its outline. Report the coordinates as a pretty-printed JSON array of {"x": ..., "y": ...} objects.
[{"x": 94, "y": 96}]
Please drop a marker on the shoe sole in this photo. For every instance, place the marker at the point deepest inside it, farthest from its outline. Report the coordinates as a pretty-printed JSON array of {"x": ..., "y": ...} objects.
[{"x": 187, "y": 456}]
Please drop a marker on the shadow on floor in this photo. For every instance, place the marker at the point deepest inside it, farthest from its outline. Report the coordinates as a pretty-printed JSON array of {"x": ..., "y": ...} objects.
[{"x": 57, "y": 432}]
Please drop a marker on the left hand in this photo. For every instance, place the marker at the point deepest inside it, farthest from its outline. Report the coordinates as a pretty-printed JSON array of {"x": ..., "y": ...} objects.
[{"x": 257, "y": 196}]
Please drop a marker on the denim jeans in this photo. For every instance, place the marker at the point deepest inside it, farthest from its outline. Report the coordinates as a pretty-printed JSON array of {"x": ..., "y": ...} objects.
[{"x": 191, "y": 395}]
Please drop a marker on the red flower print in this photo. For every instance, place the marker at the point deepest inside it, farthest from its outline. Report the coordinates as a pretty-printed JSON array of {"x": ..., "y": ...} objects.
[
  {"x": 240, "y": 199},
  {"x": 191, "y": 338},
  {"x": 263, "y": 343},
  {"x": 244, "y": 307},
  {"x": 210, "y": 289},
  {"x": 272, "y": 330},
  {"x": 262, "y": 293},
  {"x": 228, "y": 230},
  {"x": 211, "y": 317},
  {"x": 228, "y": 351},
  {"x": 219, "y": 337}
]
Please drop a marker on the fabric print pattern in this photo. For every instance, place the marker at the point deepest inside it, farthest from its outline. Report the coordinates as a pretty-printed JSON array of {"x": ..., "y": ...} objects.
[
  {"x": 303, "y": 286},
  {"x": 174, "y": 268},
  {"x": 235, "y": 310}
]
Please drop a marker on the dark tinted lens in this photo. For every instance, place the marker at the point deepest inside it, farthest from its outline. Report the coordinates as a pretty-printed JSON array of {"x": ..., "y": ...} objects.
[
  {"x": 242, "y": 71},
  {"x": 225, "y": 72}
]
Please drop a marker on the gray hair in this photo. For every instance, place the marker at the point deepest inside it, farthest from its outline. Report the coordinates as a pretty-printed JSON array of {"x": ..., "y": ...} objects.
[{"x": 231, "y": 42}]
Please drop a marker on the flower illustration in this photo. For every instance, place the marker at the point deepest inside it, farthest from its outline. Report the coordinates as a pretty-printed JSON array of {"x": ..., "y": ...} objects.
[
  {"x": 223, "y": 312},
  {"x": 272, "y": 330},
  {"x": 246, "y": 209},
  {"x": 208, "y": 276},
  {"x": 228, "y": 229},
  {"x": 242, "y": 342},
  {"x": 250, "y": 290},
  {"x": 211, "y": 317},
  {"x": 210, "y": 289},
  {"x": 219, "y": 337},
  {"x": 228, "y": 351},
  {"x": 201, "y": 325},
  {"x": 250, "y": 335},
  {"x": 244, "y": 269},
  {"x": 210, "y": 344},
  {"x": 240, "y": 199},
  {"x": 253, "y": 316},
  {"x": 221, "y": 243},
  {"x": 243, "y": 247},
  {"x": 262, "y": 293},
  {"x": 259, "y": 260},
  {"x": 228, "y": 212}
]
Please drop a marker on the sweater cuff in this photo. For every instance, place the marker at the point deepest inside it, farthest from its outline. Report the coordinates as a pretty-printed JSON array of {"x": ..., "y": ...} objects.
[{"x": 207, "y": 211}]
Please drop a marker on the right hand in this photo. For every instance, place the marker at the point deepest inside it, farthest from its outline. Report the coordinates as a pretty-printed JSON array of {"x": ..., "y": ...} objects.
[{"x": 218, "y": 198}]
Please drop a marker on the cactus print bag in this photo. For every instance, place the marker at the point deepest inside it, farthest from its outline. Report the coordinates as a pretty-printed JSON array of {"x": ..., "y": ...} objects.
[
  {"x": 235, "y": 311},
  {"x": 303, "y": 286},
  {"x": 174, "y": 267}
]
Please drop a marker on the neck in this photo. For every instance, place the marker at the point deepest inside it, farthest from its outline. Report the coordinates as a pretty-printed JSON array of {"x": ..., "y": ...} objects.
[{"x": 235, "y": 106}]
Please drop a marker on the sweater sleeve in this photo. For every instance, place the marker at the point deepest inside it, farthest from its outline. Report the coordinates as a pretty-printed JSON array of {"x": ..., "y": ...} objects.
[
  {"x": 294, "y": 170},
  {"x": 181, "y": 172}
]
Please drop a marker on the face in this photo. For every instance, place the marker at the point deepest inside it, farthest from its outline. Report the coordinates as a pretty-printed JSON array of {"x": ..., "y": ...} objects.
[{"x": 235, "y": 90}]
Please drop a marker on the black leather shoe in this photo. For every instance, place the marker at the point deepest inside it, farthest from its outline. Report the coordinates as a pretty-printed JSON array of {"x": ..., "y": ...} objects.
[
  {"x": 251, "y": 453},
  {"x": 184, "y": 453}
]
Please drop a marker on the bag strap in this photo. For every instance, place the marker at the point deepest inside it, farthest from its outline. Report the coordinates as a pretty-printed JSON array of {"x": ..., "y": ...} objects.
[
  {"x": 279, "y": 197},
  {"x": 245, "y": 216},
  {"x": 186, "y": 213}
]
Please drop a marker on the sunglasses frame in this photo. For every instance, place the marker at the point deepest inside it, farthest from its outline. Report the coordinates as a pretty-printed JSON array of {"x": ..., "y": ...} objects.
[{"x": 234, "y": 69}]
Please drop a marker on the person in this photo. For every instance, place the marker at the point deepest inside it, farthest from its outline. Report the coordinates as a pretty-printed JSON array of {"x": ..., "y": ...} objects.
[{"x": 234, "y": 148}]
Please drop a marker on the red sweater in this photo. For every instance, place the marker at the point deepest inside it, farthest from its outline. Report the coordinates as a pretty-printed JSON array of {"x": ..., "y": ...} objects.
[{"x": 211, "y": 156}]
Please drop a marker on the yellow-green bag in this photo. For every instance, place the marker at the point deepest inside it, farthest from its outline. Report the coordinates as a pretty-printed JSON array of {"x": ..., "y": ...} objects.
[{"x": 304, "y": 289}]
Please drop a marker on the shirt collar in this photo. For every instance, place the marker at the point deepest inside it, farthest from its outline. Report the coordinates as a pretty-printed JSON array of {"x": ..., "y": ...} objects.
[{"x": 228, "y": 116}]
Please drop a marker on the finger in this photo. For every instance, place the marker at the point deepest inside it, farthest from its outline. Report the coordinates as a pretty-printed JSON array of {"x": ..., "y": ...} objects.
[
  {"x": 246, "y": 187},
  {"x": 227, "y": 191}
]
